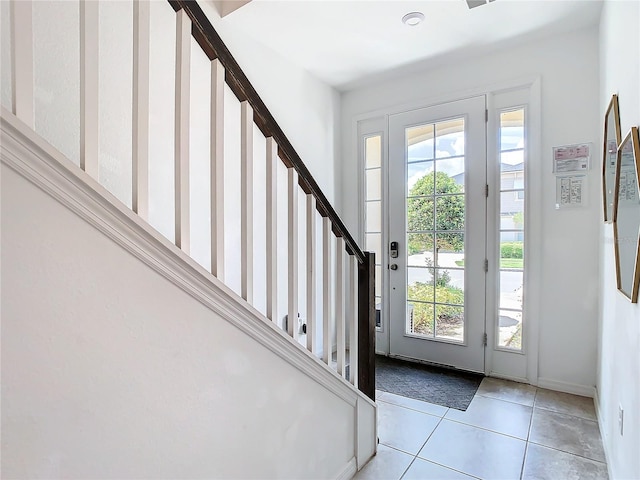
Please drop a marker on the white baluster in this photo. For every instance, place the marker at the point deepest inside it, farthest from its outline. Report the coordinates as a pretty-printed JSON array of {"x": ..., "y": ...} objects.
[
  {"x": 340, "y": 321},
  {"x": 22, "y": 60},
  {"x": 311, "y": 273},
  {"x": 327, "y": 281},
  {"x": 183, "y": 69},
  {"x": 89, "y": 87},
  {"x": 353, "y": 320},
  {"x": 217, "y": 169},
  {"x": 246, "y": 201},
  {"x": 292, "y": 310},
  {"x": 272, "y": 229},
  {"x": 140, "y": 144}
]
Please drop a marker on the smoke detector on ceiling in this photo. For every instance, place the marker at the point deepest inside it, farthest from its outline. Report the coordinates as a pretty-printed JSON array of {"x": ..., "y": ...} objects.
[
  {"x": 412, "y": 19},
  {"x": 477, "y": 3}
]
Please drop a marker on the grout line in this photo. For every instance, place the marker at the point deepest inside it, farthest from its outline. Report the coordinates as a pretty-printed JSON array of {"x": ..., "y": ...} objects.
[
  {"x": 408, "y": 467},
  {"x": 485, "y": 429},
  {"x": 524, "y": 459},
  {"x": 533, "y": 410},
  {"x": 568, "y": 453},
  {"x": 414, "y": 410},
  {"x": 430, "y": 435},
  {"x": 447, "y": 467},
  {"x": 504, "y": 400},
  {"x": 398, "y": 449},
  {"x": 567, "y": 414}
]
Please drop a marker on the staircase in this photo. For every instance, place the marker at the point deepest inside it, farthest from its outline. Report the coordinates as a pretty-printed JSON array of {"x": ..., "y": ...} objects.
[{"x": 147, "y": 308}]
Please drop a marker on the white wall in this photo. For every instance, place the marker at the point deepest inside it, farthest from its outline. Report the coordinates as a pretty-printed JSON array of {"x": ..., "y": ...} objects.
[
  {"x": 619, "y": 320},
  {"x": 110, "y": 371},
  {"x": 568, "y": 69},
  {"x": 307, "y": 109}
]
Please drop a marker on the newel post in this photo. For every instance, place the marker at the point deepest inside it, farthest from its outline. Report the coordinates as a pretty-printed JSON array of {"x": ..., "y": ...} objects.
[{"x": 367, "y": 326}]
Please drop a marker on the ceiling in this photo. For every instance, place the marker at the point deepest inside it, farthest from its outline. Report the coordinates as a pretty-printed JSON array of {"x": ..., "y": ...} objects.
[{"x": 348, "y": 43}]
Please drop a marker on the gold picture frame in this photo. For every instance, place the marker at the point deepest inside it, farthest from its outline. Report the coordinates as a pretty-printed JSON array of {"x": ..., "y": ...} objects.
[
  {"x": 612, "y": 139},
  {"x": 626, "y": 216}
]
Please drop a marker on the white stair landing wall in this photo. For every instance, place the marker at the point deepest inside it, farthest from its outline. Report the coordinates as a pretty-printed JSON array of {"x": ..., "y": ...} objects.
[{"x": 123, "y": 358}]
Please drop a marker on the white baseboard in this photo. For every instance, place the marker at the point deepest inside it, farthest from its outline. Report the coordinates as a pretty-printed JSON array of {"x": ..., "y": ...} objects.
[
  {"x": 348, "y": 471},
  {"x": 566, "y": 387},
  {"x": 510, "y": 378}
]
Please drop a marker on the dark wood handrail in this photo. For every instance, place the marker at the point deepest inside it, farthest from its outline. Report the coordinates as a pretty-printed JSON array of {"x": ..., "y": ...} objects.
[{"x": 214, "y": 47}]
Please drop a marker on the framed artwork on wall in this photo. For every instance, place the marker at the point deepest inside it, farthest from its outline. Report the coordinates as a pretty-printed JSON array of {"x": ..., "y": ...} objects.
[
  {"x": 612, "y": 138},
  {"x": 626, "y": 215}
]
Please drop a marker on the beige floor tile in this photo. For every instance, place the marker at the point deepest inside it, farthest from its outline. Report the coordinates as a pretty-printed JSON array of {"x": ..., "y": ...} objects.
[
  {"x": 388, "y": 464},
  {"x": 475, "y": 451},
  {"x": 566, "y": 403},
  {"x": 404, "y": 429},
  {"x": 567, "y": 433},
  {"x": 425, "y": 470},
  {"x": 495, "y": 415},
  {"x": 542, "y": 463},
  {"x": 425, "y": 407},
  {"x": 508, "y": 391}
]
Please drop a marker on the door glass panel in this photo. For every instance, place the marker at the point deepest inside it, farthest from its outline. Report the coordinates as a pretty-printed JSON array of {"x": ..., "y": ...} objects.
[
  {"x": 450, "y": 250},
  {"x": 378, "y": 312},
  {"x": 512, "y": 207},
  {"x": 373, "y": 206},
  {"x": 374, "y": 184},
  {"x": 435, "y": 231},
  {"x": 450, "y": 212},
  {"x": 421, "y": 288},
  {"x": 420, "y": 318},
  {"x": 512, "y": 218},
  {"x": 417, "y": 172},
  {"x": 417, "y": 278},
  {"x": 419, "y": 246},
  {"x": 373, "y": 151},
  {"x": 511, "y": 289},
  {"x": 512, "y": 169},
  {"x": 378, "y": 281},
  {"x": 420, "y": 143},
  {"x": 374, "y": 216},
  {"x": 511, "y": 251},
  {"x": 512, "y": 130},
  {"x": 451, "y": 284},
  {"x": 449, "y": 322},
  {"x": 450, "y": 138},
  {"x": 454, "y": 169},
  {"x": 374, "y": 244},
  {"x": 420, "y": 214},
  {"x": 510, "y": 332}
]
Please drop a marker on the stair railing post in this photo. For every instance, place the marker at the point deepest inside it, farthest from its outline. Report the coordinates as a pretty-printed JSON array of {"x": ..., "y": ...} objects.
[{"x": 367, "y": 326}]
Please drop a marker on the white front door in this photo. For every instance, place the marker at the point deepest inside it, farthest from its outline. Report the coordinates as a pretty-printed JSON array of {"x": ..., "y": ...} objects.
[{"x": 437, "y": 234}]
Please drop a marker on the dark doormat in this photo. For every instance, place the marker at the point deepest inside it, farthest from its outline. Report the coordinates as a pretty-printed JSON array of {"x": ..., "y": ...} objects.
[{"x": 449, "y": 388}]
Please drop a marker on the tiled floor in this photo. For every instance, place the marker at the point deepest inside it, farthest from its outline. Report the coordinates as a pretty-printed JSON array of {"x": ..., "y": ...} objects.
[{"x": 510, "y": 431}]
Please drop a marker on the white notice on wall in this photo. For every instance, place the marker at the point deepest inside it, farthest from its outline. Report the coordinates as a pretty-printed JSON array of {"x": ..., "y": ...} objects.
[
  {"x": 571, "y": 158},
  {"x": 571, "y": 191}
]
